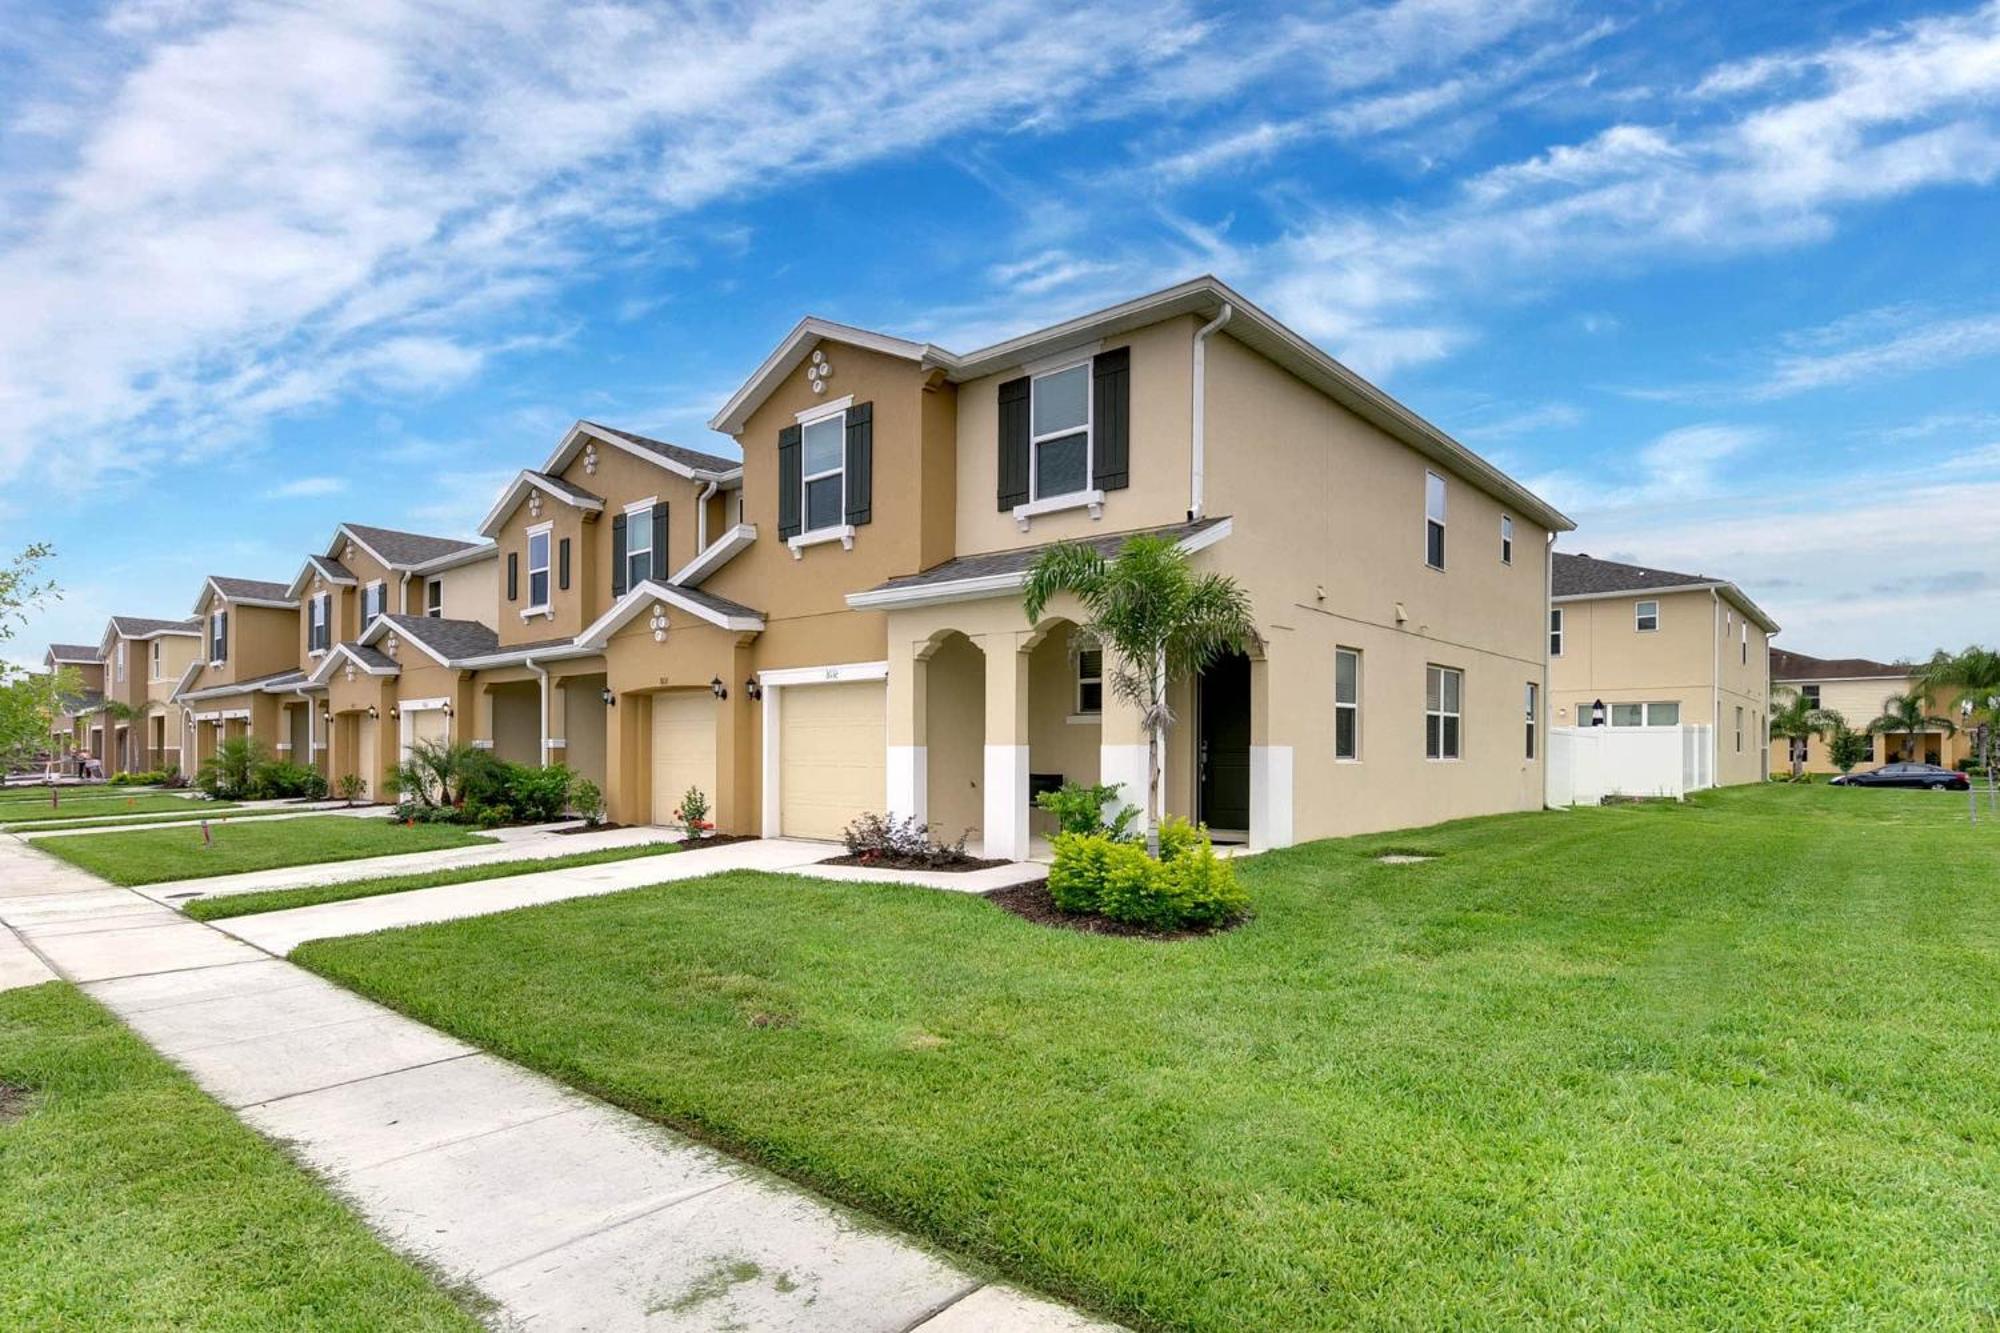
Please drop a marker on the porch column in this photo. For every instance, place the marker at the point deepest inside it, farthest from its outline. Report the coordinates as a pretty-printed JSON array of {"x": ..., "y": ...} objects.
[
  {"x": 482, "y": 717},
  {"x": 1006, "y": 744},
  {"x": 908, "y": 688}
]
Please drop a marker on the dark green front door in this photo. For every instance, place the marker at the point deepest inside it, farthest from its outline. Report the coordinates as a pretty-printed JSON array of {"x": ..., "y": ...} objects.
[{"x": 1222, "y": 743}]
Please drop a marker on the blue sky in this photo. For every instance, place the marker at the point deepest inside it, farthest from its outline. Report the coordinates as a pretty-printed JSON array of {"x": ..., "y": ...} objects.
[{"x": 1719, "y": 280}]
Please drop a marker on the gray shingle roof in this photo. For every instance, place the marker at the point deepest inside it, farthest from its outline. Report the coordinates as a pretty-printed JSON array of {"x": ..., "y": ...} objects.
[
  {"x": 73, "y": 652},
  {"x": 134, "y": 627},
  {"x": 332, "y": 568},
  {"x": 561, "y": 487},
  {"x": 1786, "y": 665},
  {"x": 720, "y": 605},
  {"x": 405, "y": 548},
  {"x": 692, "y": 458},
  {"x": 82, "y": 703},
  {"x": 1583, "y": 575},
  {"x": 257, "y": 589},
  {"x": 1017, "y": 561},
  {"x": 381, "y": 661},
  {"x": 451, "y": 639}
]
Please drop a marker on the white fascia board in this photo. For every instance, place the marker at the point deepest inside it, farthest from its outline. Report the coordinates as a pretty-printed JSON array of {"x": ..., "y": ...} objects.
[
  {"x": 991, "y": 585},
  {"x": 347, "y": 533},
  {"x": 572, "y": 444},
  {"x": 632, "y": 603},
  {"x": 1726, "y": 589},
  {"x": 786, "y": 357},
  {"x": 314, "y": 565},
  {"x": 719, "y": 553},
  {"x": 453, "y": 559},
  {"x": 326, "y": 666},
  {"x": 382, "y": 625},
  {"x": 524, "y": 481}
]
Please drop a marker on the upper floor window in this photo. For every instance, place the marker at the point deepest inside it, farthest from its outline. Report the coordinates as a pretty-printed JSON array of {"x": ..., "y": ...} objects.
[
  {"x": 1528, "y": 706},
  {"x": 374, "y": 602},
  {"x": 1059, "y": 441},
  {"x": 1646, "y": 616},
  {"x": 118, "y": 663},
  {"x": 1811, "y": 693},
  {"x": 434, "y": 599},
  {"x": 1507, "y": 544},
  {"x": 1346, "y": 704},
  {"x": 1555, "y": 631},
  {"x": 1090, "y": 681},
  {"x": 318, "y": 640},
  {"x": 1744, "y": 636},
  {"x": 639, "y": 543},
  {"x": 159, "y": 660},
  {"x": 1443, "y": 721},
  {"x": 218, "y": 637},
  {"x": 1434, "y": 520},
  {"x": 538, "y": 570},
  {"x": 823, "y": 466}
]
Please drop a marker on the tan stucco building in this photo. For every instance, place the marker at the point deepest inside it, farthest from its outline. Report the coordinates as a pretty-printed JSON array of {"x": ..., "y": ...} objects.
[
  {"x": 1659, "y": 648},
  {"x": 1856, "y": 688}
]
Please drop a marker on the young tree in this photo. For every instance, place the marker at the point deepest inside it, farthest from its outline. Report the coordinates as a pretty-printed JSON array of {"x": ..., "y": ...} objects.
[
  {"x": 1156, "y": 621},
  {"x": 1794, "y": 718},
  {"x": 1971, "y": 680},
  {"x": 1909, "y": 715},
  {"x": 1848, "y": 747}
]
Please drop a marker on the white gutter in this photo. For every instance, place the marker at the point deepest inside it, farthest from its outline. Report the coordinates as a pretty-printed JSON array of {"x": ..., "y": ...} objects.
[
  {"x": 403, "y": 591},
  {"x": 1197, "y": 498},
  {"x": 543, "y": 673},
  {"x": 701, "y": 516}
]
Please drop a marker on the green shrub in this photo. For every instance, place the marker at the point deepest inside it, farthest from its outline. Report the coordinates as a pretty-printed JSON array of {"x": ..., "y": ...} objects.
[
  {"x": 148, "y": 778},
  {"x": 588, "y": 801},
  {"x": 230, "y": 774},
  {"x": 1178, "y": 838},
  {"x": 1076, "y": 878},
  {"x": 693, "y": 810},
  {"x": 537, "y": 795},
  {"x": 1080, "y": 809},
  {"x": 285, "y": 782},
  {"x": 1188, "y": 886},
  {"x": 350, "y": 788}
]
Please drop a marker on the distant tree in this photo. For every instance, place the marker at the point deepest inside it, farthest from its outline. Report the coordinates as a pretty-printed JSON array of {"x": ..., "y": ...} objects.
[
  {"x": 30, "y": 703},
  {"x": 1909, "y": 716},
  {"x": 1796, "y": 719},
  {"x": 22, "y": 587},
  {"x": 1971, "y": 680},
  {"x": 1849, "y": 747}
]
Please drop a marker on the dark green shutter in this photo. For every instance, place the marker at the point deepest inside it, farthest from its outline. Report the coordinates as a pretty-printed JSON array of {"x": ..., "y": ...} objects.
[
  {"x": 513, "y": 576},
  {"x": 860, "y": 463},
  {"x": 224, "y": 655},
  {"x": 618, "y": 556},
  {"x": 791, "y": 482},
  {"x": 1111, "y": 419},
  {"x": 562, "y": 564},
  {"x": 660, "y": 569},
  {"x": 1014, "y": 443}
]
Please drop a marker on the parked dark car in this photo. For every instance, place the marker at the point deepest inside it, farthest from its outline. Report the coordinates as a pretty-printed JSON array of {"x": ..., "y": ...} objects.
[{"x": 1929, "y": 776}]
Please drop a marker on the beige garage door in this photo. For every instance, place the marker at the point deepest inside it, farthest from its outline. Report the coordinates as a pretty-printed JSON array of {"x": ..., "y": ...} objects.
[
  {"x": 683, "y": 750},
  {"x": 832, "y": 758}
]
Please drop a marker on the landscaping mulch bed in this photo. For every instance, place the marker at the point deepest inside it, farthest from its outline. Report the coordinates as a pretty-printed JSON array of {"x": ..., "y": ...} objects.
[
  {"x": 912, "y": 863},
  {"x": 1032, "y": 902},
  {"x": 605, "y": 827},
  {"x": 714, "y": 840}
]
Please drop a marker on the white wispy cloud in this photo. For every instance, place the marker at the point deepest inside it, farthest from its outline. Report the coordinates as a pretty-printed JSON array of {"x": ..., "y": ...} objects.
[
  {"x": 1925, "y": 346},
  {"x": 1685, "y": 464},
  {"x": 302, "y": 487}
]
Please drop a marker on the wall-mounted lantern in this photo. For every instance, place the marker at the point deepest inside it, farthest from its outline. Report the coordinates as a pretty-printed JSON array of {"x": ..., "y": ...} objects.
[
  {"x": 610, "y": 699},
  {"x": 718, "y": 689},
  {"x": 373, "y": 711},
  {"x": 753, "y": 688},
  {"x": 1597, "y": 714}
]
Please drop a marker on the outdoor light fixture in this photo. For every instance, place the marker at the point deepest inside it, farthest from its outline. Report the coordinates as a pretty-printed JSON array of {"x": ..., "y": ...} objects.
[
  {"x": 718, "y": 689},
  {"x": 446, "y": 710},
  {"x": 1597, "y": 714},
  {"x": 373, "y": 711},
  {"x": 395, "y": 712},
  {"x": 752, "y": 688},
  {"x": 610, "y": 699}
]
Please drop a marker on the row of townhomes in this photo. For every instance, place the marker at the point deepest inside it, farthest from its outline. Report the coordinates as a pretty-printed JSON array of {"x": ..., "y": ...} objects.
[
  {"x": 833, "y": 624},
  {"x": 1857, "y": 688}
]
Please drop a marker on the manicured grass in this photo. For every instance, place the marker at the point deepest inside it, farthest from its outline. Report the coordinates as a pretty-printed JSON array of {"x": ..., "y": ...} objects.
[
  {"x": 276, "y": 900},
  {"x": 1732, "y": 1064},
  {"x": 152, "y": 856},
  {"x": 143, "y": 804},
  {"x": 40, "y": 795},
  {"x": 129, "y": 1199},
  {"x": 203, "y": 811}
]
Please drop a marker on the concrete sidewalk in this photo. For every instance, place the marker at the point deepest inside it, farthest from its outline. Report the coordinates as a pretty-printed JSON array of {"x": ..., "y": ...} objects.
[{"x": 565, "y": 1212}]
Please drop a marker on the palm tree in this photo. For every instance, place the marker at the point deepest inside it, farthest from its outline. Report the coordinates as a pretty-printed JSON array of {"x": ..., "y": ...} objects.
[
  {"x": 1798, "y": 720},
  {"x": 1971, "y": 680},
  {"x": 1156, "y": 620},
  {"x": 1910, "y": 715}
]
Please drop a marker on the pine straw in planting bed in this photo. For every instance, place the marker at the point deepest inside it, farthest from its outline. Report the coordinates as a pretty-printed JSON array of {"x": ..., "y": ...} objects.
[{"x": 1033, "y": 902}]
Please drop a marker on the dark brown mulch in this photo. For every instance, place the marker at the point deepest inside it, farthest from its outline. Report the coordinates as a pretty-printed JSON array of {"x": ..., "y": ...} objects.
[
  {"x": 15, "y": 1102},
  {"x": 1031, "y": 902},
  {"x": 911, "y": 863},
  {"x": 714, "y": 840},
  {"x": 591, "y": 828}
]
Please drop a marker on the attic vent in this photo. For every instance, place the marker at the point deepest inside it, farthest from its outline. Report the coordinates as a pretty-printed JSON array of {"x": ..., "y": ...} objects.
[
  {"x": 534, "y": 504},
  {"x": 590, "y": 459},
  {"x": 659, "y": 623},
  {"x": 819, "y": 372},
  {"x": 389, "y": 645}
]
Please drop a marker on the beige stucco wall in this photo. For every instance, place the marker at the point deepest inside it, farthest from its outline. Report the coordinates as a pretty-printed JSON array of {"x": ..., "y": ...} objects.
[
  {"x": 1860, "y": 702},
  {"x": 471, "y": 591},
  {"x": 262, "y": 640}
]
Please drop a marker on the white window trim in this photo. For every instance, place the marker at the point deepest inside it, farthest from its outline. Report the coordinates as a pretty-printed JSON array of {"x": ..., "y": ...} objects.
[
  {"x": 314, "y": 620},
  {"x": 1080, "y": 713},
  {"x": 1531, "y": 702},
  {"x": 1444, "y": 528},
  {"x": 1637, "y": 616},
  {"x": 843, "y": 531},
  {"x": 1441, "y": 712},
  {"x": 639, "y": 509},
  {"x": 821, "y": 411},
  {"x": 844, "y": 534},
  {"x": 434, "y": 611},
  {"x": 118, "y": 663},
  {"x": 1558, "y": 631},
  {"x": 156, "y": 660},
  {"x": 215, "y": 638},
  {"x": 546, "y": 608},
  {"x": 1090, "y": 497},
  {"x": 1354, "y": 707},
  {"x": 1506, "y": 539}
]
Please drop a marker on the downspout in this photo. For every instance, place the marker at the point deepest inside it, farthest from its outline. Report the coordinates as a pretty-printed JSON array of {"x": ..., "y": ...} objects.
[
  {"x": 542, "y": 673},
  {"x": 312, "y": 728},
  {"x": 403, "y": 590},
  {"x": 1197, "y": 496},
  {"x": 701, "y": 516},
  {"x": 1715, "y": 689}
]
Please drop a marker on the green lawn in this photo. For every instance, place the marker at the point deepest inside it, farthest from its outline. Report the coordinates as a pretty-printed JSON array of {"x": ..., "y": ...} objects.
[
  {"x": 276, "y": 900},
  {"x": 152, "y": 856},
  {"x": 143, "y": 804},
  {"x": 108, "y": 821},
  {"x": 129, "y": 1199},
  {"x": 1731, "y": 1064},
  {"x": 13, "y": 796}
]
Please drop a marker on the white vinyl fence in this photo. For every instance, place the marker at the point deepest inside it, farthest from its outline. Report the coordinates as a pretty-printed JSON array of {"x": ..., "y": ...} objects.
[{"x": 1587, "y": 764}]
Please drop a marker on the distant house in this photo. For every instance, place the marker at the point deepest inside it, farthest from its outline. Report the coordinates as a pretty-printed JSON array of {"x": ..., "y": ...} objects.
[
  {"x": 1856, "y": 687},
  {"x": 1659, "y": 648}
]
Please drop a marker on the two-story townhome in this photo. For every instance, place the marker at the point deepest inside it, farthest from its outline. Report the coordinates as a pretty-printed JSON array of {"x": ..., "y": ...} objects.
[
  {"x": 1857, "y": 688},
  {"x": 144, "y": 660},
  {"x": 77, "y": 731},
  {"x": 246, "y": 664},
  {"x": 834, "y": 626},
  {"x": 1658, "y": 648},
  {"x": 360, "y": 575}
]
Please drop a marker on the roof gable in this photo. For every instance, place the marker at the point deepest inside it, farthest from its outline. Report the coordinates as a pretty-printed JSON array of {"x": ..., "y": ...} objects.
[
  {"x": 527, "y": 480},
  {"x": 683, "y": 462},
  {"x": 394, "y": 548}
]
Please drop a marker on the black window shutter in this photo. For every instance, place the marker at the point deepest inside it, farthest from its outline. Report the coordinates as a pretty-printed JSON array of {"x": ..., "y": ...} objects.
[
  {"x": 790, "y": 483},
  {"x": 660, "y": 569},
  {"x": 513, "y": 576},
  {"x": 562, "y": 564},
  {"x": 224, "y": 654},
  {"x": 1014, "y": 443},
  {"x": 860, "y": 463},
  {"x": 618, "y": 556},
  {"x": 1111, "y": 418}
]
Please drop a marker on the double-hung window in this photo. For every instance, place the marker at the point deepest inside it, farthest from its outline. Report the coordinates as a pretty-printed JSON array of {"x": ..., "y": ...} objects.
[
  {"x": 1507, "y": 542},
  {"x": 118, "y": 663},
  {"x": 434, "y": 599},
  {"x": 639, "y": 542},
  {"x": 538, "y": 570},
  {"x": 317, "y": 636},
  {"x": 374, "y": 602},
  {"x": 823, "y": 464},
  {"x": 218, "y": 637},
  {"x": 1059, "y": 433},
  {"x": 1089, "y": 681},
  {"x": 1555, "y": 632},
  {"x": 1346, "y": 704},
  {"x": 1744, "y": 636},
  {"x": 1528, "y": 706},
  {"x": 1739, "y": 730},
  {"x": 1443, "y": 721},
  {"x": 1434, "y": 520},
  {"x": 1646, "y": 616},
  {"x": 158, "y": 660}
]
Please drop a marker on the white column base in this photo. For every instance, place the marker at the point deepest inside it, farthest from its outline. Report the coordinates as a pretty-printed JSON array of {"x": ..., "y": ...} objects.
[
  {"x": 1270, "y": 797},
  {"x": 1006, "y": 826},
  {"x": 1123, "y": 767},
  {"x": 909, "y": 779}
]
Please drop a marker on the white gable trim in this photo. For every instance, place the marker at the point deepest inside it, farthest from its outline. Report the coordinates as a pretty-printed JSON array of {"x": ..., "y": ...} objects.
[
  {"x": 798, "y": 345},
  {"x": 211, "y": 588},
  {"x": 382, "y": 626},
  {"x": 719, "y": 553},
  {"x": 582, "y": 432},
  {"x": 646, "y": 592},
  {"x": 324, "y": 671},
  {"x": 517, "y": 491}
]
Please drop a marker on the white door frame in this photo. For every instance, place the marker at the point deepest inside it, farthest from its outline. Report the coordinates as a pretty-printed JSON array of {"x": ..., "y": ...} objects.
[{"x": 773, "y": 684}]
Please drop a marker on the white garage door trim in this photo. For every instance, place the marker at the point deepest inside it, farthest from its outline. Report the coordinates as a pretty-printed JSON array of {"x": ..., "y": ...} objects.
[{"x": 773, "y": 684}]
